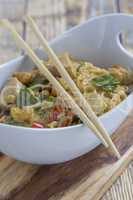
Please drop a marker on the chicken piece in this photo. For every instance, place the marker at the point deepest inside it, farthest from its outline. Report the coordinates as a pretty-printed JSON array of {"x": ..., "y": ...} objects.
[
  {"x": 23, "y": 77},
  {"x": 9, "y": 92},
  {"x": 10, "y": 99},
  {"x": 22, "y": 115}
]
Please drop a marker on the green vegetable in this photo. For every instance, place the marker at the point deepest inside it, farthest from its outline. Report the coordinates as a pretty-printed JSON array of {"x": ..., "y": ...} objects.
[
  {"x": 36, "y": 88},
  {"x": 107, "y": 82},
  {"x": 39, "y": 79},
  {"x": 26, "y": 97},
  {"x": 51, "y": 98},
  {"x": 41, "y": 113}
]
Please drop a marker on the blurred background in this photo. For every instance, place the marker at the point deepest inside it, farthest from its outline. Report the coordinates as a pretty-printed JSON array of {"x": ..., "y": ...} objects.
[{"x": 52, "y": 16}]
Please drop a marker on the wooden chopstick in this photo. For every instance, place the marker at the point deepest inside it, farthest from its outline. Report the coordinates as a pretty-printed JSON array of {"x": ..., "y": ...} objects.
[
  {"x": 43, "y": 69},
  {"x": 74, "y": 89}
]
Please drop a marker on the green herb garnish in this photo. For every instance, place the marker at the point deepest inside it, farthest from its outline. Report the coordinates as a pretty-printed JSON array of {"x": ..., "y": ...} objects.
[
  {"x": 26, "y": 97},
  {"x": 106, "y": 82},
  {"x": 51, "y": 98},
  {"x": 38, "y": 79}
]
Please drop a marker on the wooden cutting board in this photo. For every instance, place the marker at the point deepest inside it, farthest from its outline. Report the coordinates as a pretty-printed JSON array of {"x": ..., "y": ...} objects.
[{"x": 85, "y": 178}]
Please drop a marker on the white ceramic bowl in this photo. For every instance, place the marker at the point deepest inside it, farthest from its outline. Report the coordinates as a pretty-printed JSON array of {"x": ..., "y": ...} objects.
[{"x": 45, "y": 146}]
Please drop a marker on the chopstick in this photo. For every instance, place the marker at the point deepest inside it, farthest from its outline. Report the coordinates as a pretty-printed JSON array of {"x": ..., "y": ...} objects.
[
  {"x": 43, "y": 69},
  {"x": 74, "y": 89}
]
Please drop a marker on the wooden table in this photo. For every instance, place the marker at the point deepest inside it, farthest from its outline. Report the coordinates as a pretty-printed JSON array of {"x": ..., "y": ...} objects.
[{"x": 87, "y": 177}]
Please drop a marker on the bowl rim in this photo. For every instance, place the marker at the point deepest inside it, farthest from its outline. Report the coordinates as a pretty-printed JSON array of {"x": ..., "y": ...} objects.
[{"x": 21, "y": 57}]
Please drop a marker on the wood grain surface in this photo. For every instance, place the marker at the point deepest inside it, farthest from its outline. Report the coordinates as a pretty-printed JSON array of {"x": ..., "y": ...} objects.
[{"x": 87, "y": 177}]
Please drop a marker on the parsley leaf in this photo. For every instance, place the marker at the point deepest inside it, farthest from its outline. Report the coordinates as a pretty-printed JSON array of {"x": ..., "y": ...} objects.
[
  {"x": 38, "y": 79},
  {"x": 26, "y": 97},
  {"x": 106, "y": 82}
]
